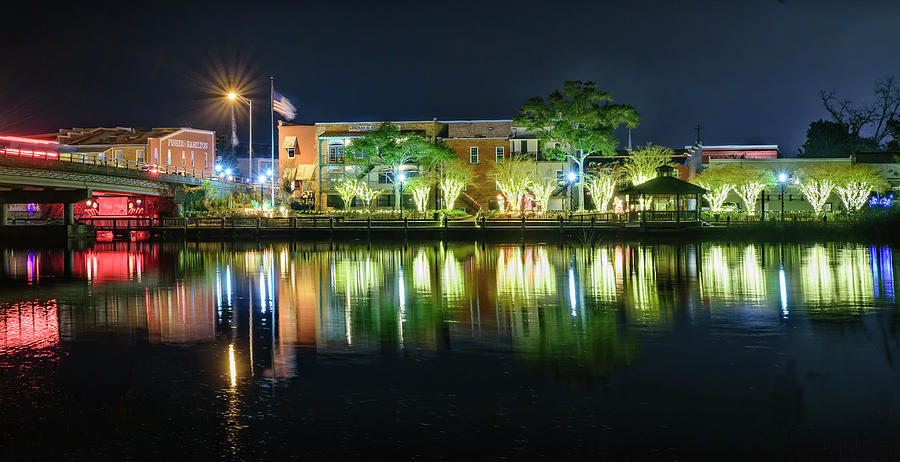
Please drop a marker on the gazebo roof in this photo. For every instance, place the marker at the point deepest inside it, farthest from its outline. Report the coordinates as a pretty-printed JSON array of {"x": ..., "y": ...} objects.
[{"x": 664, "y": 185}]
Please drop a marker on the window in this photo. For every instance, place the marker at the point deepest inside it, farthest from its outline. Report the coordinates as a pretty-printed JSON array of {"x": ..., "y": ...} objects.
[
  {"x": 335, "y": 153},
  {"x": 140, "y": 156},
  {"x": 499, "y": 153},
  {"x": 182, "y": 158},
  {"x": 205, "y": 160},
  {"x": 385, "y": 178},
  {"x": 155, "y": 155},
  {"x": 290, "y": 152},
  {"x": 473, "y": 155},
  {"x": 120, "y": 156},
  {"x": 192, "y": 158},
  {"x": 169, "y": 160}
]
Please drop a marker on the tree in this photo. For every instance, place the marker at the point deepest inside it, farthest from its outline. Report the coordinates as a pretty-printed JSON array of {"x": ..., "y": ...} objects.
[
  {"x": 875, "y": 118},
  {"x": 577, "y": 122},
  {"x": 718, "y": 182},
  {"x": 420, "y": 186},
  {"x": 456, "y": 174},
  {"x": 347, "y": 188},
  {"x": 387, "y": 147},
  {"x": 749, "y": 183},
  {"x": 833, "y": 139},
  {"x": 542, "y": 190},
  {"x": 366, "y": 193},
  {"x": 602, "y": 187},
  {"x": 641, "y": 164},
  {"x": 513, "y": 177},
  {"x": 854, "y": 184},
  {"x": 817, "y": 182}
]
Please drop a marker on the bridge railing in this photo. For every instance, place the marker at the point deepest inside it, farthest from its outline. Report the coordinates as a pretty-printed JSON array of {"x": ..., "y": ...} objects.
[{"x": 107, "y": 161}]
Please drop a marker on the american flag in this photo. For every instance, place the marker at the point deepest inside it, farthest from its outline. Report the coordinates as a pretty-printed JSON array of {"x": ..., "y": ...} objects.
[{"x": 283, "y": 106}]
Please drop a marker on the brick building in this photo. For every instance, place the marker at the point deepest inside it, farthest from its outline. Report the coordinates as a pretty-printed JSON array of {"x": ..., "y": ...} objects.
[
  {"x": 175, "y": 150},
  {"x": 482, "y": 143}
]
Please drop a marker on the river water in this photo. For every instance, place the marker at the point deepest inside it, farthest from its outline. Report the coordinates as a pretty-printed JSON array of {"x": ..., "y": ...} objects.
[{"x": 449, "y": 351}]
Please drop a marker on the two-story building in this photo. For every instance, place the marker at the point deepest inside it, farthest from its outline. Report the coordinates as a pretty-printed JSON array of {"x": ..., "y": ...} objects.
[{"x": 174, "y": 150}]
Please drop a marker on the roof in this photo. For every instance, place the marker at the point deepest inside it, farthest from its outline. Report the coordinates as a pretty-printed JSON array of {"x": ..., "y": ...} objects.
[
  {"x": 664, "y": 185},
  {"x": 739, "y": 146},
  {"x": 357, "y": 134},
  {"x": 111, "y": 136}
]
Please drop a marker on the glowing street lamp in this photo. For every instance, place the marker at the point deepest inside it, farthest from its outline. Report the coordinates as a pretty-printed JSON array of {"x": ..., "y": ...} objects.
[
  {"x": 218, "y": 168},
  {"x": 571, "y": 177},
  {"x": 782, "y": 178},
  {"x": 234, "y": 97}
]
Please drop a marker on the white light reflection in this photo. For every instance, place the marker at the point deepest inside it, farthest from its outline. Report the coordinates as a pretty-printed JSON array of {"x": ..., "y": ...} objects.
[
  {"x": 572, "y": 290},
  {"x": 783, "y": 287}
]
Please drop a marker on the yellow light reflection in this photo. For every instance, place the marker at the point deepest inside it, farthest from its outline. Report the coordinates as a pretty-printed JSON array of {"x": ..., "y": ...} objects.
[{"x": 232, "y": 366}]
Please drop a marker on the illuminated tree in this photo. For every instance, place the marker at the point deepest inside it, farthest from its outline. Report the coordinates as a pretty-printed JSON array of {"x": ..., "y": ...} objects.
[
  {"x": 456, "y": 174},
  {"x": 641, "y": 164},
  {"x": 366, "y": 193},
  {"x": 347, "y": 189},
  {"x": 542, "y": 190},
  {"x": 388, "y": 148},
  {"x": 817, "y": 182},
  {"x": 718, "y": 182},
  {"x": 577, "y": 122},
  {"x": 513, "y": 177},
  {"x": 602, "y": 187},
  {"x": 854, "y": 184},
  {"x": 749, "y": 183},
  {"x": 420, "y": 186}
]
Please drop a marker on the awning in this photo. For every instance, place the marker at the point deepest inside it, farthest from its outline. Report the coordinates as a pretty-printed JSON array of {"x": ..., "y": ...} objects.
[
  {"x": 304, "y": 172},
  {"x": 289, "y": 142}
]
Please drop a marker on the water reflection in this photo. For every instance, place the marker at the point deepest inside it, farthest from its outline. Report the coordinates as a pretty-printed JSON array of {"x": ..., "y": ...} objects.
[{"x": 553, "y": 305}]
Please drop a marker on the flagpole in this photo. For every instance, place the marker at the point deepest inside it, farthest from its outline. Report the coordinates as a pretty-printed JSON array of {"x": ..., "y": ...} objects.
[{"x": 272, "y": 108}]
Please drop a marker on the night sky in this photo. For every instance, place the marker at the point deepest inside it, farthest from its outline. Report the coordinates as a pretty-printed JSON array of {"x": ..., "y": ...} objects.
[{"x": 749, "y": 72}]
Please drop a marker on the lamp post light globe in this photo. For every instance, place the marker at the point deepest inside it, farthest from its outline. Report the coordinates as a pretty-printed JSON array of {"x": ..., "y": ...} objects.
[
  {"x": 228, "y": 171},
  {"x": 572, "y": 177},
  {"x": 218, "y": 168},
  {"x": 232, "y": 96},
  {"x": 782, "y": 178}
]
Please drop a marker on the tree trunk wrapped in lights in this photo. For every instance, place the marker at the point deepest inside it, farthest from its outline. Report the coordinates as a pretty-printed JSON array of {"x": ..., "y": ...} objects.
[
  {"x": 856, "y": 182},
  {"x": 456, "y": 174},
  {"x": 602, "y": 187},
  {"x": 817, "y": 183},
  {"x": 347, "y": 190},
  {"x": 749, "y": 183},
  {"x": 366, "y": 193},
  {"x": 542, "y": 191},
  {"x": 513, "y": 177},
  {"x": 420, "y": 186},
  {"x": 718, "y": 182}
]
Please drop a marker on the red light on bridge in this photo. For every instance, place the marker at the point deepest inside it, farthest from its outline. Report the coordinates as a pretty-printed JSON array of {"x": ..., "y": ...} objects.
[{"x": 22, "y": 139}]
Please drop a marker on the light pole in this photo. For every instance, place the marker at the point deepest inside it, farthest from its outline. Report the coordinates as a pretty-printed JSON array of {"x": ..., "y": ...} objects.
[
  {"x": 781, "y": 179},
  {"x": 234, "y": 96},
  {"x": 402, "y": 178},
  {"x": 571, "y": 177}
]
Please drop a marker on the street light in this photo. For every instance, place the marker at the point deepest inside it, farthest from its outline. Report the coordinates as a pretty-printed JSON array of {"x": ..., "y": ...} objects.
[
  {"x": 218, "y": 168},
  {"x": 401, "y": 177},
  {"x": 233, "y": 97}
]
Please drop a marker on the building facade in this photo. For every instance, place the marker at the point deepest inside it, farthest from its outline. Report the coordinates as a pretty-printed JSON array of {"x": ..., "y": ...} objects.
[
  {"x": 297, "y": 159},
  {"x": 173, "y": 150}
]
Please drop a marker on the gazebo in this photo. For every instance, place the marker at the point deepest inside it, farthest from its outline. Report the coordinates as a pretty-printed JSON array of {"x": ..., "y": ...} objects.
[{"x": 664, "y": 199}]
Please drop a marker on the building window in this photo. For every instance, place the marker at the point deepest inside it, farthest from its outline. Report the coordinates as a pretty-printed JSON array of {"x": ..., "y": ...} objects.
[
  {"x": 192, "y": 158},
  {"x": 385, "y": 178},
  {"x": 170, "y": 157},
  {"x": 205, "y": 160},
  {"x": 182, "y": 158},
  {"x": 499, "y": 153},
  {"x": 155, "y": 155},
  {"x": 473, "y": 155},
  {"x": 140, "y": 156},
  {"x": 335, "y": 153},
  {"x": 120, "y": 156},
  {"x": 290, "y": 153}
]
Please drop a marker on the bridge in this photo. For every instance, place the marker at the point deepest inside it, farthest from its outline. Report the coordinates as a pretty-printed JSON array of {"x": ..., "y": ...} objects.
[{"x": 34, "y": 174}]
